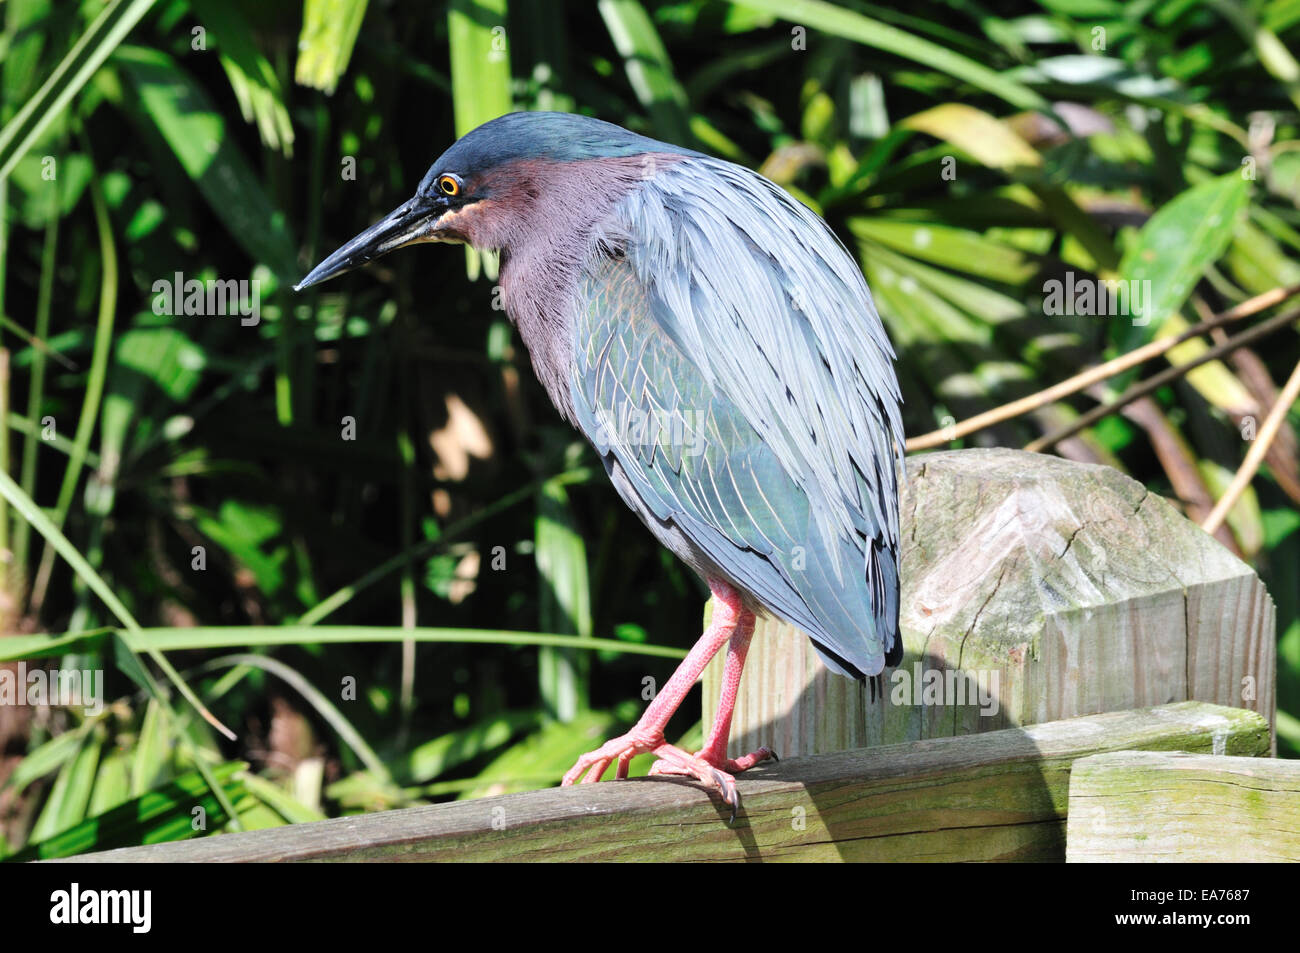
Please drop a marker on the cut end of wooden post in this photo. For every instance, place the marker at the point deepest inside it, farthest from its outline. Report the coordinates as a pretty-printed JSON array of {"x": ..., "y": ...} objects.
[{"x": 1033, "y": 589}]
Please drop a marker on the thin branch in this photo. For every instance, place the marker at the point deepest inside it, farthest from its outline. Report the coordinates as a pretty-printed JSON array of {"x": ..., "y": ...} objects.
[
  {"x": 36, "y": 343},
  {"x": 1272, "y": 424},
  {"x": 1101, "y": 372},
  {"x": 1284, "y": 456},
  {"x": 1164, "y": 377}
]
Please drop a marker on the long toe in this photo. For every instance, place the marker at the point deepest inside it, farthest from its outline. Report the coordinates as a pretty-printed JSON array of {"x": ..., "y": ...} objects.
[
  {"x": 745, "y": 762},
  {"x": 592, "y": 765},
  {"x": 730, "y": 765},
  {"x": 675, "y": 761}
]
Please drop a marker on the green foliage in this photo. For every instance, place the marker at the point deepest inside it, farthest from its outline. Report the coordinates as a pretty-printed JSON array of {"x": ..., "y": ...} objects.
[{"x": 376, "y": 453}]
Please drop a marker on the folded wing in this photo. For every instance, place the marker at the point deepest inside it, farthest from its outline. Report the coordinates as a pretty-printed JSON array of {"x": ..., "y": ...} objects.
[{"x": 732, "y": 371}]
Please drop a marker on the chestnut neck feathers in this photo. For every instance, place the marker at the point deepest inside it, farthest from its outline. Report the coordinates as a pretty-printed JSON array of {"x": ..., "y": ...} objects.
[{"x": 547, "y": 219}]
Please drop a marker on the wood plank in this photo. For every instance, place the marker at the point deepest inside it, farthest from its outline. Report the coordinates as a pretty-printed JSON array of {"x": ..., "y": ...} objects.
[
  {"x": 1063, "y": 588},
  {"x": 994, "y": 796},
  {"x": 1175, "y": 807}
]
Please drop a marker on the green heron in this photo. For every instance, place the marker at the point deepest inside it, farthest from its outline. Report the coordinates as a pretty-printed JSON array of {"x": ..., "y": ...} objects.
[{"x": 718, "y": 346}]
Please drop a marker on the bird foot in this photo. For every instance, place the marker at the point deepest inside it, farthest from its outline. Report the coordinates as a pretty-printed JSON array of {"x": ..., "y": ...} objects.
[
  {"x": 715, "y": 769},
  {"x": 717, "y": 761},
  {"x": 715, "y": 774}
]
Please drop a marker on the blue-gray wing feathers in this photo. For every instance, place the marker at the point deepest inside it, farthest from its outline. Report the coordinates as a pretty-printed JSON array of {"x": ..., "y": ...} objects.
[{"x": 732, "y": 371}]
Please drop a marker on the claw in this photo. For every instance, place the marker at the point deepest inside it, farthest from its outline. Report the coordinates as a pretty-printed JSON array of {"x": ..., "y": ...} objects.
[
  {"x": 730, "y": 795},
  {"x": 721, "y": 780}
]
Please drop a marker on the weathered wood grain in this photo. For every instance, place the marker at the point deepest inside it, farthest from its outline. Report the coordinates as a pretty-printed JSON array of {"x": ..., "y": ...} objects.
[
  {"x": 1068, "y": 586},
  {"x": 994, "y": 796},
  {"x": 1170, "y": 806}
]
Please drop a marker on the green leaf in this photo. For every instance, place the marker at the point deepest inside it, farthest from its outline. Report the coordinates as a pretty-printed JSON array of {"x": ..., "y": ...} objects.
[
  {"x": 166, "y": 813},
  {"x": 194, "y": 129},
  {"x": 256, "y": 815},
  {"x": 1267, "y": 46},
  {"x": 565, "y": 601},
  {"x": 151, "y": 750},
  {"x": 114, "y": 22},
  {"x": 329, "y": 32},
  {"x": 480, "y": 76},
  {"x": 280, "y": 801},
  {"x": 28, "y": 509},
  {"x": 1215, "y": 381},
  {"x": 243, "y": 530},
  {"x": 956, "y": 248},
  {"x": 31, "y": 198},
  {"x": 112, "y": 783},
  {"x": 57, "y": 441},
  {"x": 147, "y": 361},
  {"x": 70, "y": 795},
  {"x": 50, "y": 756},
  {"x": 976, "y": 299},
  {"x": 436, "y": 757},
  {"x": 1257, "y": 262},
  {"x": 94, "y": 388},
  {"x": 649, "y": 68},
  {"x": 251, "y": 75},
  {"x": 543, "y": 756},
  {"x": 1176, "y": 246},
  {"x": 837, "y": 21},
  {"x": 26, "y": 41},
  {"x": 480, "y": 62},
  {"x": 1278, "y": 525},
  {"x": 430, "y": 760}
]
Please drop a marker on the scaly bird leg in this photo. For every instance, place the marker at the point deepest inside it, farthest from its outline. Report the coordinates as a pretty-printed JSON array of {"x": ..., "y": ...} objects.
[
  {"x": 710, "y": 766},
  {"x": 715, "y": 748}
]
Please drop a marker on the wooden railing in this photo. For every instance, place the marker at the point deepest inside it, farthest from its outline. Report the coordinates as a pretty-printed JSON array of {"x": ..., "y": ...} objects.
[{"x": 999, "y": 795}]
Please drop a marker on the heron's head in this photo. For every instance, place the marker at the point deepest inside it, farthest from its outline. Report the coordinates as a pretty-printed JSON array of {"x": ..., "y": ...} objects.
[{"x": 507, "y": 178}]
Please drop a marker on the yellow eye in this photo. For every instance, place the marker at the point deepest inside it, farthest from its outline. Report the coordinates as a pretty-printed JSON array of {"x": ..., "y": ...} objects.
[{"x": 449, "y": 185}]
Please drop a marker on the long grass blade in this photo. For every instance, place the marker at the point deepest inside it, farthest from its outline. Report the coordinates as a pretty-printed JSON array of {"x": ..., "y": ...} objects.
[
  {"x": 217, "y": 637},
  {"x": 324, "y": 707},
  {"x": 109, "y": 29},
  {"x": 814, "y": 14}
]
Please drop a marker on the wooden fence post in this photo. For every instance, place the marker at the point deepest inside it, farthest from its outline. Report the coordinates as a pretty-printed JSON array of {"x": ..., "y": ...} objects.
[
  {"x": 1034, "y": 589},
  {"x": 1149, "y": 806}
]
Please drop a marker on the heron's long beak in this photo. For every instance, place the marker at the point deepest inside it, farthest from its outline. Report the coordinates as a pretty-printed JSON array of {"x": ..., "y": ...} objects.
[{"x": 415, "y": 221}]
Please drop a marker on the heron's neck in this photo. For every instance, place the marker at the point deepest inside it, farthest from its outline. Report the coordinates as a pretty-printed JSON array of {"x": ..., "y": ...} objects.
[{"x": 558, "y": 215}]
